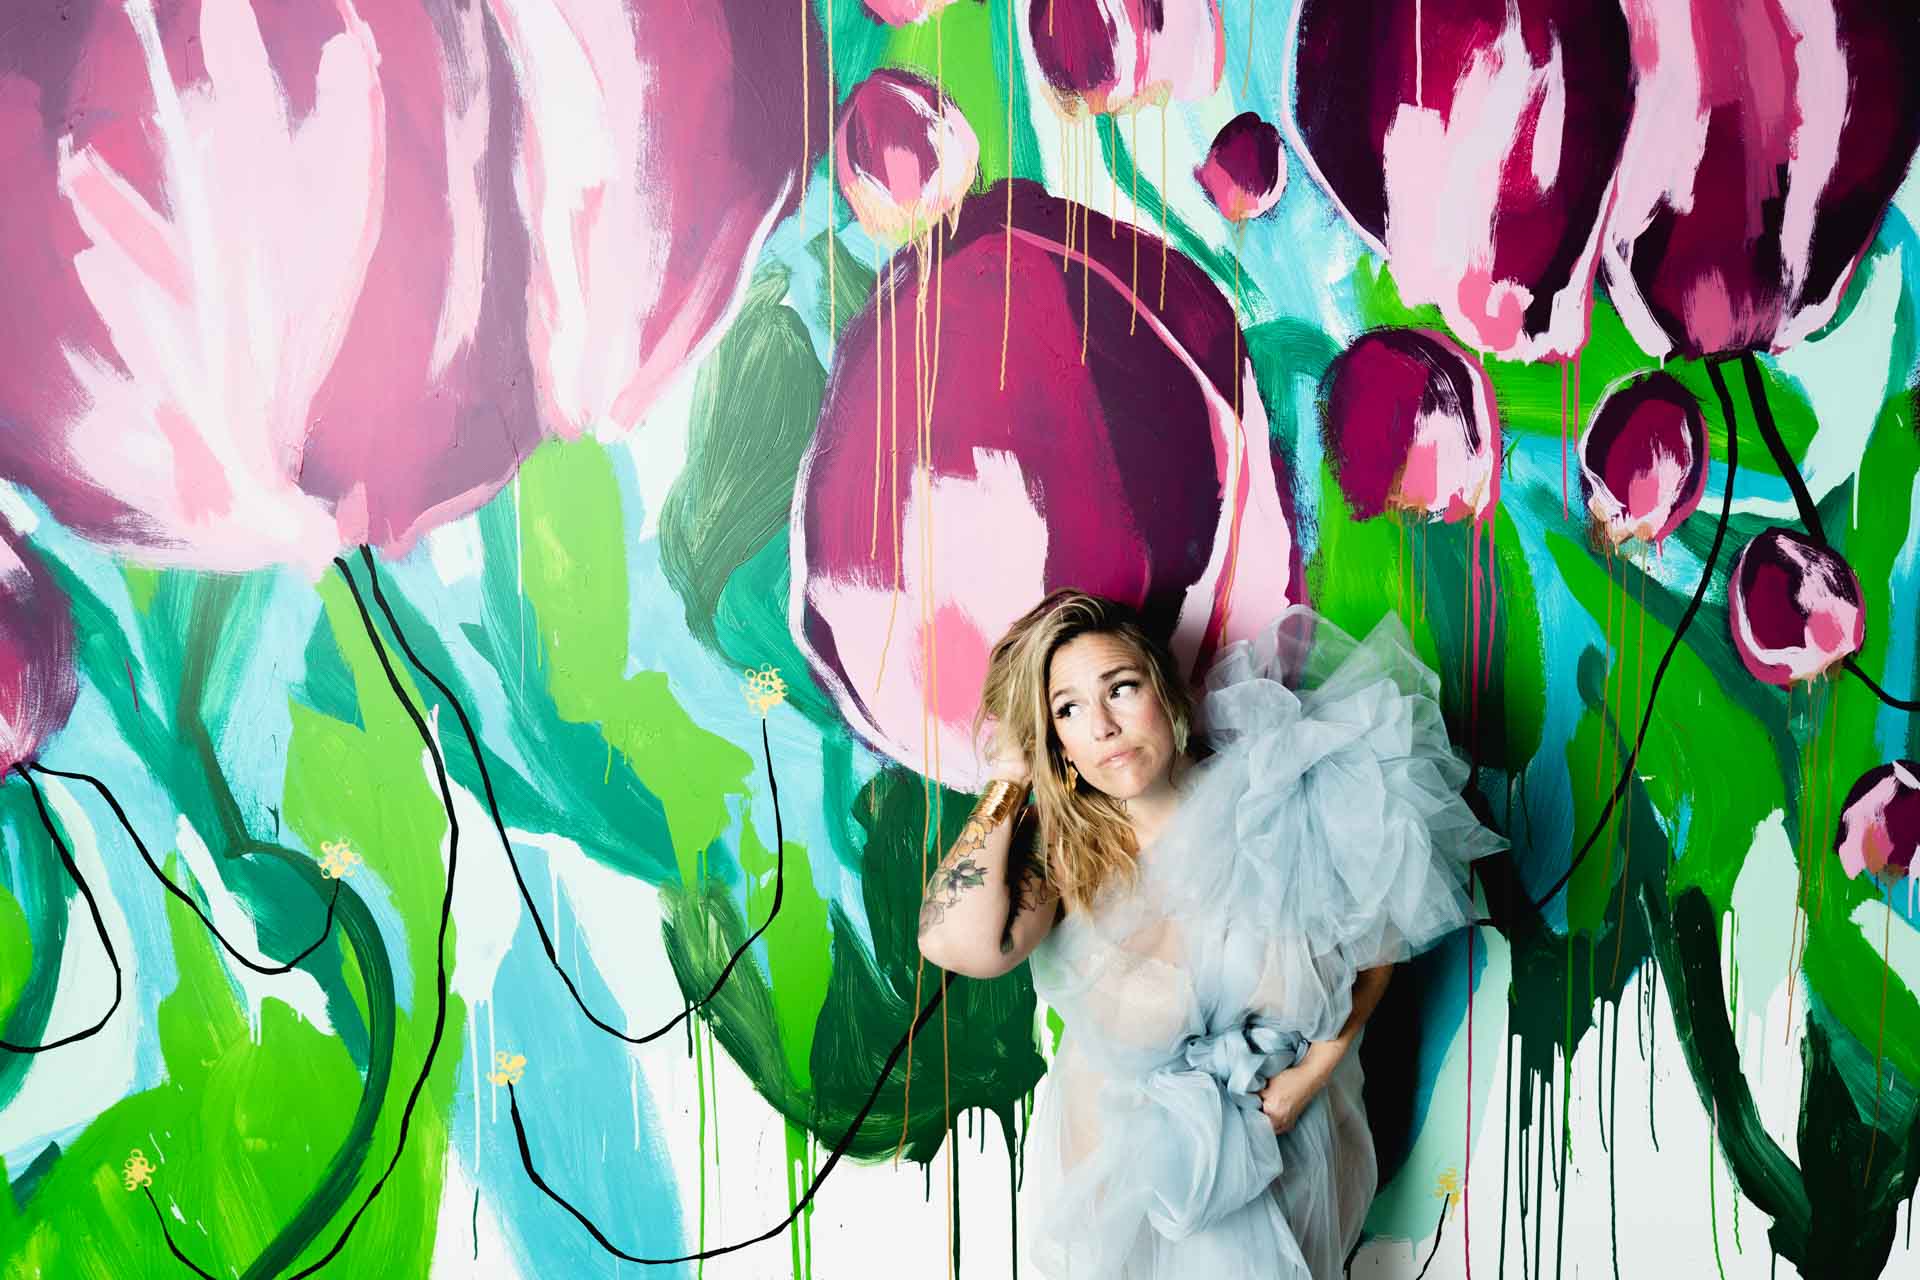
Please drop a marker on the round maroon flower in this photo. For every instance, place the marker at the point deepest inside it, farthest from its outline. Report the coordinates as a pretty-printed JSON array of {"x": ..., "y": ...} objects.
[
  {"x": 1880, "y": 823},
  {"x": 1644, "y": 458},
  {"x": 904, "y": 155},
  {"x": 1409, "y": 425},
  {"x": 1123, "y": 471},
  {"x": 37, "y": 680},
  {"x": 1794, "y": 608},
  {"x": 1245, "y": 170}
]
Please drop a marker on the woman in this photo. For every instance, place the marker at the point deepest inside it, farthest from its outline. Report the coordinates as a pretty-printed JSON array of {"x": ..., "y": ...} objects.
[{"x": 1214, "y": 925}]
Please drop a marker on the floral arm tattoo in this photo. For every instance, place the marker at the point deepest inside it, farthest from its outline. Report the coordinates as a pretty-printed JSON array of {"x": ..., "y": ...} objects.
[
  {"x": 1027, "y": 886},
  {"x": 957, "y": 872}
]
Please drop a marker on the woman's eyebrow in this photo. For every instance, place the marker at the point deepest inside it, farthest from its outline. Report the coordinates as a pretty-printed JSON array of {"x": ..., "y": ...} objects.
[{"x": 1124, "y": 668}]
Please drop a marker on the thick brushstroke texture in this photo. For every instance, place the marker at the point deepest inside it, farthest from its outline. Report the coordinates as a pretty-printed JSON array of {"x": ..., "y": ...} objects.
[
  {"x": 1245, "y": 169},
  {"x": 174, "y": 192},
  {"x": 1644, "y": 458},
  {"x": 1476, "y": 151},
  {"x": 904, "y": 155},
  {"x": 38, "y": 682},
  {"x": 1767, "y": 139},
  {"x": 1880, "y": 823},
  {"x": 1112, "y": 56},
  {"x": 641, "y": 242},
  {"x": 1409, "y": 424},
  {"x": 1108, "y": 474},
  {"x": 1794, "y": 608}
]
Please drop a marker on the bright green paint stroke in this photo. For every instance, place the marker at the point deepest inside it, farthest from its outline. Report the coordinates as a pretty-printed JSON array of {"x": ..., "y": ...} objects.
[
  {"x": 574, "y": 571},
  {"x": 230, "y": 1152},
  {"x": 961, "y": 48},
  {"x": 799, "y": 959},
  {"x": 1361, "y": 570}
]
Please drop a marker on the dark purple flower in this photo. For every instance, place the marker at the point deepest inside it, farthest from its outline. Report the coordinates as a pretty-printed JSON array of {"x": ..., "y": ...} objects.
[
  {"x": 1245, "y": 170},
  {"x": 37, "y": 681},
  {"x": 1794, "y": 608},
  {"x": 1110, "y": 56},
  {"x": 1472, "y": 142},
  {"x": 1409, "y": 424},
  {"x": 1880, "y": 823},
  {"x": 1124, "y": 472},
  {"x": 1644, "y": 458},
  {"x": 1768, "y": 137}
]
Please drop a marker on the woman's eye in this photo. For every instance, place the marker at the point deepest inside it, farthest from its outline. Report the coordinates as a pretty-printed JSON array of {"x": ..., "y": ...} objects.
[
  {"x": 1129, "y": 685},
  {"x": 1062, "y": 711}
]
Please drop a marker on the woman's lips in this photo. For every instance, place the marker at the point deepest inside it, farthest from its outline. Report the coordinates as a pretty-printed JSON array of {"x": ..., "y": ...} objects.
[{"x": 1116, "y": 758}]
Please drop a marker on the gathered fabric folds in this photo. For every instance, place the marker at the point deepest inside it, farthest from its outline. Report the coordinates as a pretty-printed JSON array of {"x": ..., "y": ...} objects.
[{"x": 1325, "y": 835}]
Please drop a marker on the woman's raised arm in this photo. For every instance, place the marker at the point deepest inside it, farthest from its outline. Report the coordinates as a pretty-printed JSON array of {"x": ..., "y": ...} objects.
[{"x": 988, "y": 902}]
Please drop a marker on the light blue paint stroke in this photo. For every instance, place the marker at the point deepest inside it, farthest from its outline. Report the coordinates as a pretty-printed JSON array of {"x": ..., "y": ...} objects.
[{"x": 577, "y": 1101}]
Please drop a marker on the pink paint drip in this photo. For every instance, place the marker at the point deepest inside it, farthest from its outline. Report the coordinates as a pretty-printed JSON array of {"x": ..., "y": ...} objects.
[
  {"x": 1466, "y": 1162},
  {"x": 1474, "y": 537}
]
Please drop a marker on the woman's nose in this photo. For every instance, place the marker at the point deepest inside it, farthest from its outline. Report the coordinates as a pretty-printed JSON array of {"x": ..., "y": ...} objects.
[{"x": 1104, "y": 725}]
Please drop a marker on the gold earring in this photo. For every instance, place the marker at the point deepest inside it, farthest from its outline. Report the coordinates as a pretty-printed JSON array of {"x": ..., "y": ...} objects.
[{"x": 1073, "y": 777}]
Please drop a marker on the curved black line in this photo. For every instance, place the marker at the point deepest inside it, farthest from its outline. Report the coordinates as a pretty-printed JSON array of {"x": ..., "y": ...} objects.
[
  {"x": 93, "y": 909},
  {"x": 1770, "y": 434},
  {"x": 1439, "y": 1229},
  {"x": 268, "y": 970},
  {"x": 526, "y": 894},
  {"x": 1899, "y": 704},
  {"x": 1673, "y": 645},
  {"x": 853, "y": 1129},
  {"x": 446, "y": 917},
  {"x": 185, "y": 1261}
]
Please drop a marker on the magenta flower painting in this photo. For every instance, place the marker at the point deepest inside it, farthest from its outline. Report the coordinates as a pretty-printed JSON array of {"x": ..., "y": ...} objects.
[
  {"x": 658, "y": 145},
  {"x": 37, "y": 679},
  {"x": 1245, "y": 170},
  {"x": 1795, "y": 608},
  {"x": 1644, "y": 458},
  {"x": 1472, "y": 143},
  {"x": 904, "y": 155},
  {"x": 1880, "y": 823},
  {"x": 1106, "y": 57},
  {"x": 1410, "y": 426},
  {"x": 1121, "y": 473},
  {"x": 1768, "y": 137},
  {"x": 250, "y": 323}
]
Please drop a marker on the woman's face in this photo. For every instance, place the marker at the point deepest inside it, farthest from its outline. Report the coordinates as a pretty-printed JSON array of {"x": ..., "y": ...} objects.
[{"x": 1109, "y": 721}]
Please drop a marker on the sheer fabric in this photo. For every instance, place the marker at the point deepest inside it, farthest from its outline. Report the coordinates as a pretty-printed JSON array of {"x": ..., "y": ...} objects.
[{"x": 1325, "y": 835}]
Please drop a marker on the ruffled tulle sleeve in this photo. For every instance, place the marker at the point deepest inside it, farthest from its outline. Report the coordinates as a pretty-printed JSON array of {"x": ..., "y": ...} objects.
[{"x": 1332, "y": 807}]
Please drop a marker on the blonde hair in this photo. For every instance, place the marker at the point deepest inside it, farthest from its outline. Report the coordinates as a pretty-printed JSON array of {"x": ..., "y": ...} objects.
[{"x": 1086, "y": 835}]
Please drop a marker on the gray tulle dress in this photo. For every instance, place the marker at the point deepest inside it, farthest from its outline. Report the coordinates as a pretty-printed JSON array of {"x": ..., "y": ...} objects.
[{"x": 1325, "y": 835}]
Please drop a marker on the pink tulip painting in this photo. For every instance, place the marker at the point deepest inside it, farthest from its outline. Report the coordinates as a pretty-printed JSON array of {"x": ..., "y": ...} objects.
[
  {"x": 1410, "y": 426},
  {"x": 257, "y": 313},
  {"x": 1794, "y": 607},
  {"x": 1123, "y": 474},
  {"x": 1644, "y": 458},
  {"x": 1245, "y": 170},
  {"x": 1880, "y": 824},
  {"x": 1106, "y": 57},
  {"x": 1768, "y": 137},
  {"x": 37, "y": 680},
  {"x": 903, "y": 13},
  {"x": 904, "y": 155},
  {"x": 1472, "y": 143},
  {"x": 659, "y": 145}
]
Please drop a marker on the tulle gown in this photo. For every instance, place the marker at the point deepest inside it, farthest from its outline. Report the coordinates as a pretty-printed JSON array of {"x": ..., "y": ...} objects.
[{"x": 1325, "y": 835}]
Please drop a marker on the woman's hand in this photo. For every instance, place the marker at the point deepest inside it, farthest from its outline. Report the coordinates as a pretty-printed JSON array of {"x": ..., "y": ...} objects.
[
  {"x": 1005, "y": 760},
  {"x": 1288, "y": 1094}
]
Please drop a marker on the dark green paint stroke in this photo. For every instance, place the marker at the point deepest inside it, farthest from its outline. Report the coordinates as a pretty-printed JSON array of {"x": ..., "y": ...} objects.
[
  {"x": 990, "y": 1059},
  {"x": 754, "y": 405}
]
